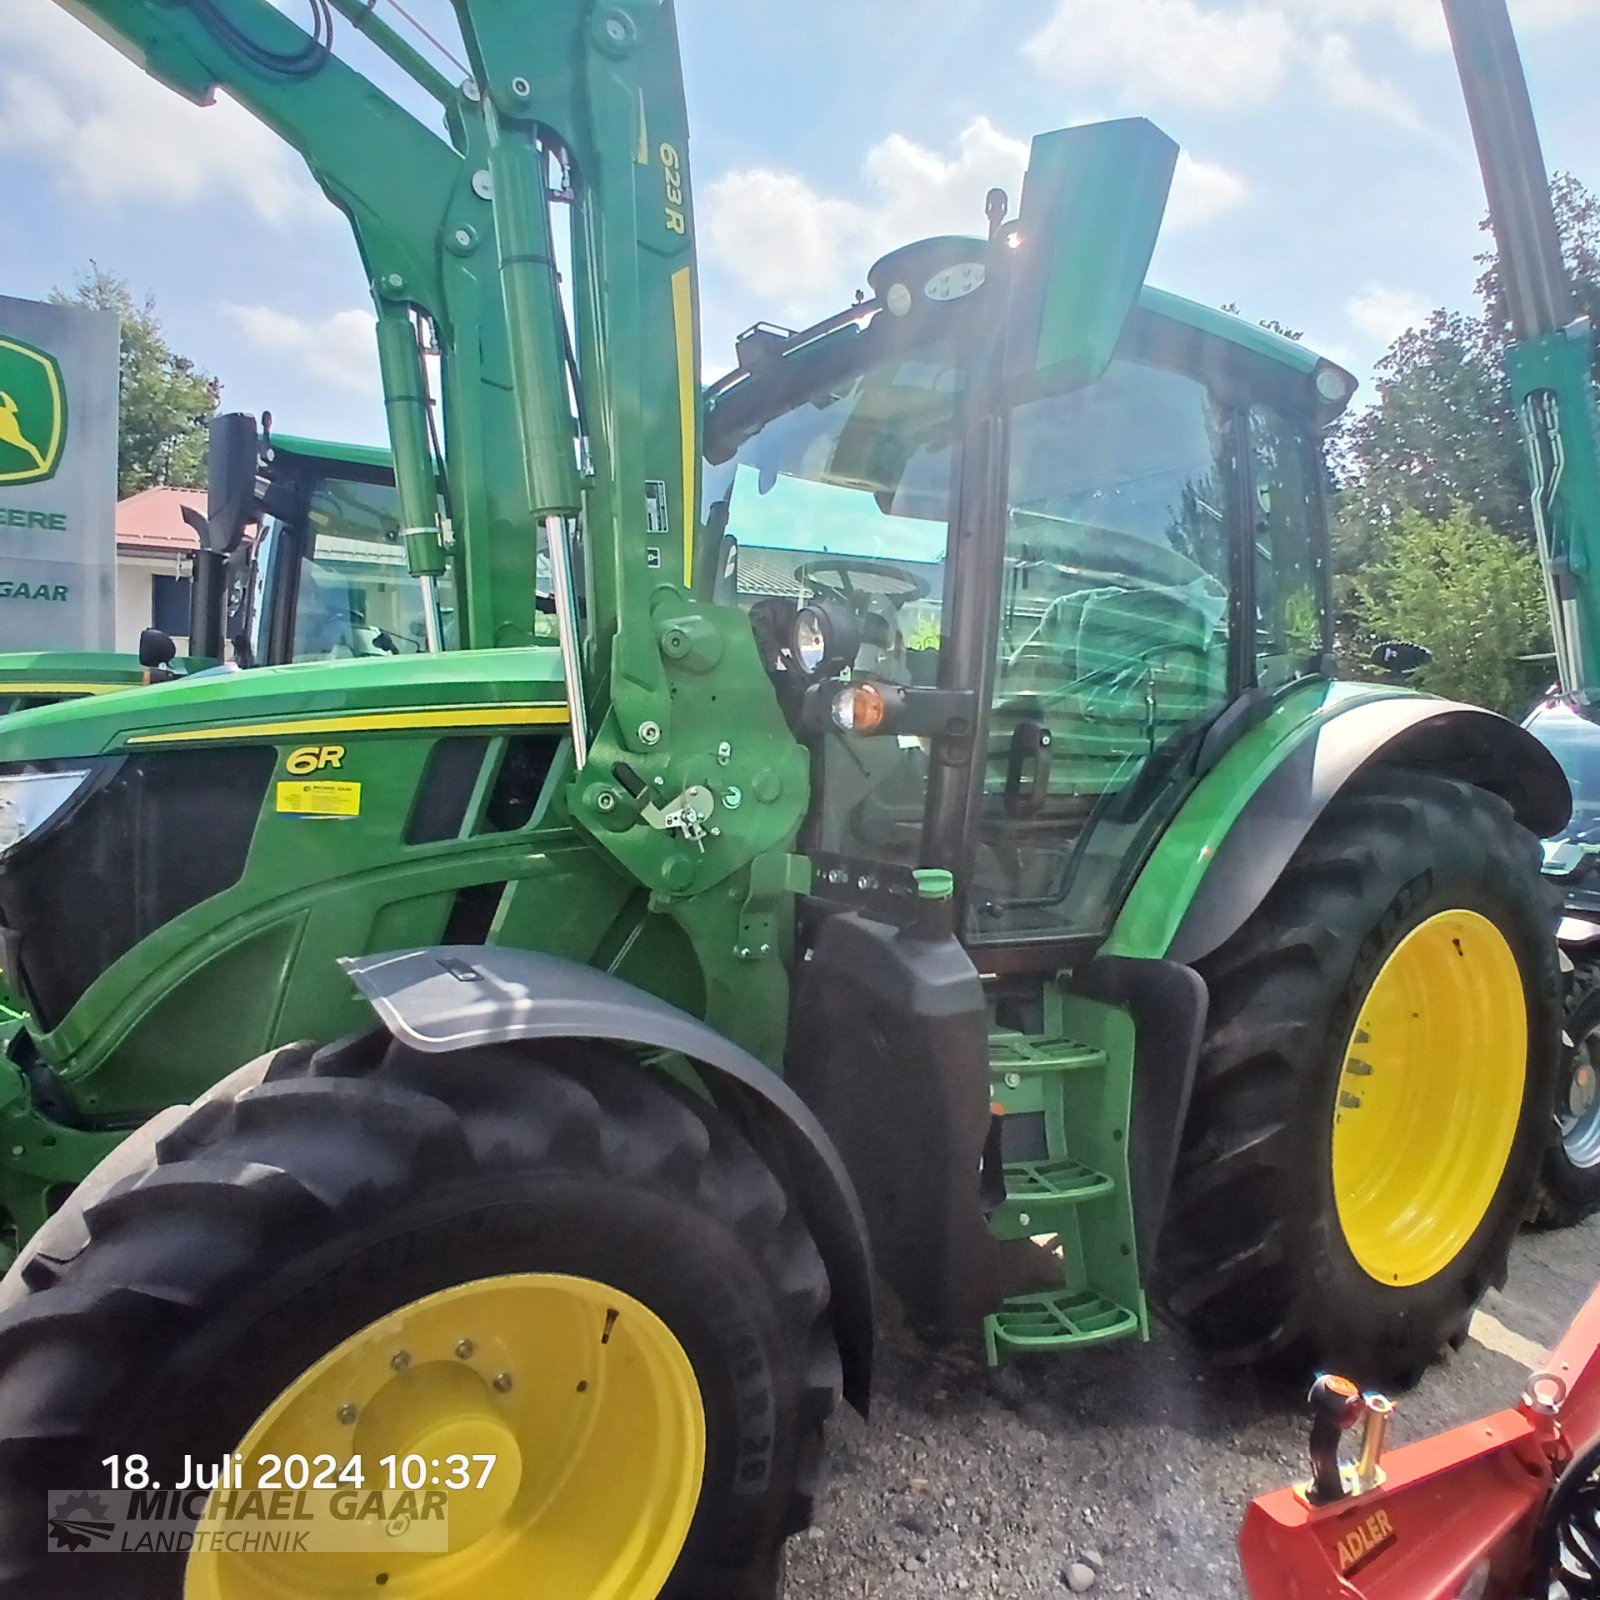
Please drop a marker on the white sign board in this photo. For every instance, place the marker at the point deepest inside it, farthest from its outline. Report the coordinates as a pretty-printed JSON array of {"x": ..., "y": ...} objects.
[{"x": 58, "y": 477}]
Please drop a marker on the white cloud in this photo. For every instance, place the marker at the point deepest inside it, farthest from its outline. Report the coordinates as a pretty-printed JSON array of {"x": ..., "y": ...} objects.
[
  {"x": 1383, "y": 313},
  {"x": 1228, "y": 55},
  {"x": 1202, "y": 190},
  {"x": 1421, "y": 22},
  {"x": 340, "y": 350},
  {"x": 1349, "y": 85},
  {"x": 118, "y": 138},
  {"x": 1167, "y": 52},
  {"x": 798, "y": 251}
]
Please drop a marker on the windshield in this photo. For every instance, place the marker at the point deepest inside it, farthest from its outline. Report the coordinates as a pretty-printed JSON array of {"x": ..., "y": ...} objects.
[{"x": 847, "y": 496}]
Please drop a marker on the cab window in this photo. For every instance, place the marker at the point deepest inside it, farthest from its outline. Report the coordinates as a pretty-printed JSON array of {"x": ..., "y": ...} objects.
[
  {"x": 1287, "y": 550},
  {"x": 356, "y": 596}
]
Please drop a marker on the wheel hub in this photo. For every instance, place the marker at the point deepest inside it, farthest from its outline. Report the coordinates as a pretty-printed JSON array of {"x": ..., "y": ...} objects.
[
  {"x": 556, "y": 1421},
  {"x": 1579, "y": 1121},
  {"x": 1429, "y": 1097}
]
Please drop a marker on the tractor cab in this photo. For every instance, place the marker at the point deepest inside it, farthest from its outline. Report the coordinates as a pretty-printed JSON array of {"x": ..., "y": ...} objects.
[
  {"x": 327, "y": 577},
  {"x": 1159, "y": 557}
]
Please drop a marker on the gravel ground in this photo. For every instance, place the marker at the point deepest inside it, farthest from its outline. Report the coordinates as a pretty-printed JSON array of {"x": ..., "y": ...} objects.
[{"x": 1118, "y": 1472}]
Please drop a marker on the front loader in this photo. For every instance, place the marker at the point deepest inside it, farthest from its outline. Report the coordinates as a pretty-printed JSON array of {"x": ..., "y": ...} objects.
[{"x": 934, "y": 847}]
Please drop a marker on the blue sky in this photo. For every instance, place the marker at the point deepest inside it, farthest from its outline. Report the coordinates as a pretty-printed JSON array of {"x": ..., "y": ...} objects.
[{"x": 1328, "y": 177}]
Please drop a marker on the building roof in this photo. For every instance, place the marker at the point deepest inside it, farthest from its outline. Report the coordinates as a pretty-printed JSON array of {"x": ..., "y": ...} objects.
[{"x": 151, "y": 521}]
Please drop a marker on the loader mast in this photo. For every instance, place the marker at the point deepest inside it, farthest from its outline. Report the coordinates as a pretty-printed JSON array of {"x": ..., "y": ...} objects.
[
  {"x": 584, "y": 437},
  {"x": 1549, "y": 363}
]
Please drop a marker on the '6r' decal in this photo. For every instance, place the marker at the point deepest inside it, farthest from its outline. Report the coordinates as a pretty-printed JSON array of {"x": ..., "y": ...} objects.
[
  {"x": 672, "y": 169},
  {"x": 313, "y": 758}
]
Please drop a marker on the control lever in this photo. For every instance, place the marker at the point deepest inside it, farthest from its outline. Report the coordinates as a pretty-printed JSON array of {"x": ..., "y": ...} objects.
[
  {"x": 686, "y": 815},
  {"x": 1337, "y": 1405}
]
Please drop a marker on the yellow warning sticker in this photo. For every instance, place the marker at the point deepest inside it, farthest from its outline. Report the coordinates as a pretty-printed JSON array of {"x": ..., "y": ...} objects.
[{"x": 325, "y": 799}]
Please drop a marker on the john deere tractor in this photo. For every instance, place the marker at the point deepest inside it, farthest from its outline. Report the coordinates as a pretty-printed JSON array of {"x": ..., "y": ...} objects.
[
  {"x": 934, "y": 847},
  {"x": 325, "y": 580},
  {"x": 332, "y": 506}
]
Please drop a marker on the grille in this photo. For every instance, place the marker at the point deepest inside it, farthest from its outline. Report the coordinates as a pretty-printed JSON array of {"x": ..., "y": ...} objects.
[{"x": 165, "y": 831}]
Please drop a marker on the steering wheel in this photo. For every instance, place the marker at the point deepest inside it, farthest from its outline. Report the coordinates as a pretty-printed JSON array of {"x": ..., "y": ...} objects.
[{"x": 859, "y": 580}]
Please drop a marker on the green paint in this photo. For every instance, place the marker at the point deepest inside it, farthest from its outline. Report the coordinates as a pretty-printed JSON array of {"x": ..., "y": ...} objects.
[
  {"x": 1161, "y": 894},
  {"x": 1078, "y": 1076}
]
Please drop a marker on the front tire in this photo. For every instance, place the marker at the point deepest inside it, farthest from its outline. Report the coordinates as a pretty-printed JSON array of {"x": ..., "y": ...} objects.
[
  {"x": 1373, "y": 1091},
  {"x": 556, "y": 1257}
]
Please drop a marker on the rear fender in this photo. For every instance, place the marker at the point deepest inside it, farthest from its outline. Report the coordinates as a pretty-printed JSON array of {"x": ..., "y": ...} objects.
[
  {"x": 457, "y": 997},
  {"x": 1224, "y": 851}
]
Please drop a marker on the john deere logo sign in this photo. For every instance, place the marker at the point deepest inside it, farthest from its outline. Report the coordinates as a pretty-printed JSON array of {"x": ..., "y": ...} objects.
[{"x": 33, "y": 413}]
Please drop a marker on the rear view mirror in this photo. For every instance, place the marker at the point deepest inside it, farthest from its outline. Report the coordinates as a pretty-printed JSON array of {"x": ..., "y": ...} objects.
[
  {"x": 231, "y": 479},
  {"x": 156, "y": 649},
  {"x": 1400, "y": 655},
  {"x": 1092, "y": 204}
]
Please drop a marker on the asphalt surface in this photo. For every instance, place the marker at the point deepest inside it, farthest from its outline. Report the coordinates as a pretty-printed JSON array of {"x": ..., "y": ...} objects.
[{"x": 1118, "y": 1472}]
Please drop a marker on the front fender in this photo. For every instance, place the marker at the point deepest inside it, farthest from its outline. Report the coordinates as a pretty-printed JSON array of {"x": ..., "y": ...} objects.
[
  {"x": 1237, "y": 830},
  {"x": 456, "y": 997}
]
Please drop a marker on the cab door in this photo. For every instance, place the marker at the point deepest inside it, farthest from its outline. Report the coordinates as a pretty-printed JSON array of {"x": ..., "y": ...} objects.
[{"x": 1116, "y": 645}]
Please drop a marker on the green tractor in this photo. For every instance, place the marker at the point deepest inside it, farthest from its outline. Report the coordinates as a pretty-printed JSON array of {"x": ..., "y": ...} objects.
[
  {"x": 327, "y": 580},
  {"x": 309, "y": 487},
  {"x": 933, "y": 847}
]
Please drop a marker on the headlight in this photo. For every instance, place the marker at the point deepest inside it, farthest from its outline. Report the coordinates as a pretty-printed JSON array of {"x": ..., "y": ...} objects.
[
  {"x": 825, "y": 639},
  {"x": 29, "y": 799},
  {"x": 810, "y": 640}
]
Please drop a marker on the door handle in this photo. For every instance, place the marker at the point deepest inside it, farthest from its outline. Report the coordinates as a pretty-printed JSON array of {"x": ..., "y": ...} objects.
[{"x": 1028, "y": 769}]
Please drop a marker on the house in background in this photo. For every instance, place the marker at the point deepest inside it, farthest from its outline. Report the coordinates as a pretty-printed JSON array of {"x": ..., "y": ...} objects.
[{"x": 154, "y": 545}]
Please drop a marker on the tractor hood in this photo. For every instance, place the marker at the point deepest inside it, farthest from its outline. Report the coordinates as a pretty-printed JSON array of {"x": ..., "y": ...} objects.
[{"x": 269, "y": 702}]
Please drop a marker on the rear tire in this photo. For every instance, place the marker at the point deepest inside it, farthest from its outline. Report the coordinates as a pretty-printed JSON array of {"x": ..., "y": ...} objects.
[
  {"x": 311, "y": 1195},
  {"x": 1569, "y": 1176},
  {"x": 1258, "y": 1262}
]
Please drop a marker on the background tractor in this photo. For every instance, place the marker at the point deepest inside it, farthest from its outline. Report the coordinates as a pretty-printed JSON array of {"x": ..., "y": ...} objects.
[
  {"x": 334, "y": 505},
  {"x": 934, "y": 843}
]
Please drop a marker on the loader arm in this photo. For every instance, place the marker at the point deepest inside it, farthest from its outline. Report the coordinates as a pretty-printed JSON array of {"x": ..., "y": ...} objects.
[
  {"x": 572, "y": 105},
  {"x": 1549, "y": 363}
]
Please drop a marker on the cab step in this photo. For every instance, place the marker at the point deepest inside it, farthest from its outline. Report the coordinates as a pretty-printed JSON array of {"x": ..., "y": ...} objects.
[
  {"x": 1036, "y": 1192},
  {"x": 1063, "y": 1097},
  {"x": 1056, "y": 1319}
]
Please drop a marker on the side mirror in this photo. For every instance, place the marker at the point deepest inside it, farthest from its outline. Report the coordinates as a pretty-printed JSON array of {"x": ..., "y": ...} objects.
[
  {"x": 1092, "y": 204},
  {"x": 1400, "y": 655},
  {"x": 156, "y": 648},
  {"x": 231, "y": 477}
]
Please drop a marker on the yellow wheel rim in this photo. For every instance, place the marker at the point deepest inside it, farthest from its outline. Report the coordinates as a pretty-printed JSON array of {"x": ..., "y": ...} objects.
[
  {"x": 1430, "y": 1092},
  {"x": 582, "y": 1395}
]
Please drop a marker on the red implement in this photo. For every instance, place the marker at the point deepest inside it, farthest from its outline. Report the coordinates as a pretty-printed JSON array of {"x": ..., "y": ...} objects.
[{"x": 1455, "y": 1517}]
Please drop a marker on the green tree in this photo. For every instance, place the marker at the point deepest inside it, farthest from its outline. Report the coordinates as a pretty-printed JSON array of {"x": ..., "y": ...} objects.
[
  {"x": 1474, "y": 597},
  {"x": 1440, "y": 431},
  {"x": 164, "y": 400}
]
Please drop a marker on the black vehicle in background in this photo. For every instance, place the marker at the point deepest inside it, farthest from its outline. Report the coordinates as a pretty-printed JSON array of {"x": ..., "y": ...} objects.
[{"x": 1569, "y": 1186}]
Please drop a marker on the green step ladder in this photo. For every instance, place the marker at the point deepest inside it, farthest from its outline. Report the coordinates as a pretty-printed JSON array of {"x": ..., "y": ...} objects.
[{"x": 1070, "y": 1089}]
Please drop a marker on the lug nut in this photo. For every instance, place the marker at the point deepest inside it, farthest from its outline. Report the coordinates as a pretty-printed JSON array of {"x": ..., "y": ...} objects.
[
  {"x": 400, "y": 1360},
  {"x": 502, "y": 1382},
  {"x": 347, "y": 1413},
  {"x": 465, "y": 1349}
]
